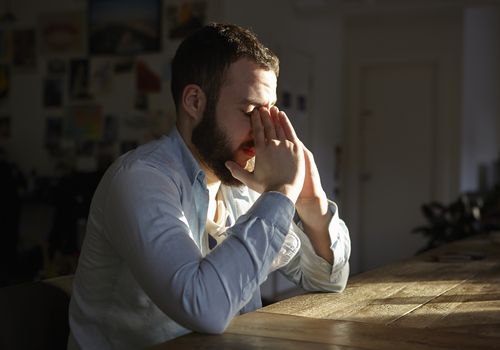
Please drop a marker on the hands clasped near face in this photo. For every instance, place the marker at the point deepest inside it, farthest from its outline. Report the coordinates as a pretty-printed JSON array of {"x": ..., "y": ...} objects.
[{"x": 282, "y": 163}]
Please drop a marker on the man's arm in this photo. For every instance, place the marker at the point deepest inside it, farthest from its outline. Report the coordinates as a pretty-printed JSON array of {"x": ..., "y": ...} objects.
[
  {"x": 146, "y": 225},
  {"x": 324, "y": 235},
  {"x": 311, "y": 271},
  {"x": 312, "y": 203},
  {"x": 315, "y": 215}
]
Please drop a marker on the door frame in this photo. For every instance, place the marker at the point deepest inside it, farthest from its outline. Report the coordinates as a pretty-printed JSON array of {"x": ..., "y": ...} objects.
[{"x": 430, "y": 157}]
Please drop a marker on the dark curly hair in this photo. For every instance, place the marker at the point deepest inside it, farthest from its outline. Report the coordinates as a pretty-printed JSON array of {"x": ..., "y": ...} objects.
[{"x": 203, "y": 58}]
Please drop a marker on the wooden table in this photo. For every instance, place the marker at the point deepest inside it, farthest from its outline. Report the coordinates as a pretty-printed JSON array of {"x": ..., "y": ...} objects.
[{"x": 448, "y": 298}]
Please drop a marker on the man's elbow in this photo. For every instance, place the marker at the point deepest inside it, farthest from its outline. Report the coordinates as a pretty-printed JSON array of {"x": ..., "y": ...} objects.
[
  {"x": 210, "y": 325},
  {"x": 339, "y": 280},
  {"x": 206, "y": 317},
  {"x": 336, "y": 283}
]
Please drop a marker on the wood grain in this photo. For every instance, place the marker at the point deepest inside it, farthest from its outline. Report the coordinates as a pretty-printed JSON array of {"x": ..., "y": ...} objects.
[
  {"x": 424, "y": 292},
  {"x": 275, "y": 331},
  {"x": 448, "y": 298}
]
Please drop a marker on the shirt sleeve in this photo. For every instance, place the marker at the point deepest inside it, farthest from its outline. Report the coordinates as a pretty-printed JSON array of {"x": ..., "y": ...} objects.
[
  {"x": 312, "y": 272},
  {"x": 147, "y": 226}
]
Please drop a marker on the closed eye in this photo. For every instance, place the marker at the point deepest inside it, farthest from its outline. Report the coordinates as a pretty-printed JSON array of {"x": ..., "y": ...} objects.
[{"x": 249, "y": 114}]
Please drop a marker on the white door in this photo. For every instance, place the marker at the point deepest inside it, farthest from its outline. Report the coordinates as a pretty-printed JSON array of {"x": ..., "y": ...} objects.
[{"x": 397, "y": 143}]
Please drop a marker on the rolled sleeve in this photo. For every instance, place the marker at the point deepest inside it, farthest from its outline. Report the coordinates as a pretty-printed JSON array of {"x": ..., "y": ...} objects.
[{"x": 313, "y": 272}]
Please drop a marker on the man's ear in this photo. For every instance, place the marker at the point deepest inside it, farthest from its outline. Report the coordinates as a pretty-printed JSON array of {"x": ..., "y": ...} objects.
[{"x": 194, "y": 102}]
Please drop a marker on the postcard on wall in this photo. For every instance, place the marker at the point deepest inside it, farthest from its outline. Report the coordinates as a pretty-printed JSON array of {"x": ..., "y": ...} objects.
[
  {"x": 101, "y": 77},
  {"x": 53, "y": 91},
  {"x": 53, "y": 133},
  {"x": 184, "y": 18},
  {"x": 79, "y": 78},
  {"x": 62, "y": 33},
  {"x": 4, "y": 81},
  {"x": 5, "y": 125},
  {"x": 147, "y": 80},
  {"x": 111, "y": 127},
  {"x": 124, "y": 26},
  {"x": 84, "y": 122},
  {"x": 124, "y": 65},
  {"x": 5, "y": 46},
  {"x": 24, "y": 48}
]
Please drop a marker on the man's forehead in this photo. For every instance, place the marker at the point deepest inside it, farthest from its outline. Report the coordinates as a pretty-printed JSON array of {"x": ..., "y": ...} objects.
[
  {"x": 253, "y": 84},
  {"x": 258, "y": 102}
]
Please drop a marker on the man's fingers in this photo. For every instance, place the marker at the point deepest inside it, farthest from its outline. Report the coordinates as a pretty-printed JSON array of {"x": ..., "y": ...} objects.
[
  {"x": 238, "y": 172},
  {"x": 287, "y": 127},
  {"x": 269, "y": 130},
  {"x": 257, "y": 129},
  {"x": 280, "y": 133}
]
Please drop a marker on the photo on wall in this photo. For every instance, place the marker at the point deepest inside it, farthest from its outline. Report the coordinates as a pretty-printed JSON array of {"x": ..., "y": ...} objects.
[
  {"x": 84, "y": 122},
  {"x": 79, "y": 78},
  {"x": 4, "y": 81},
  {"x": 5, "y": 125},
  {"x": 61, "y": 33},
  {"x": 53, "y": 133},
  {"x": 124, "y": 26},
  {"x": 5, "y": 46},
  {"x": 53, "y": 92},
  {"x": 184, "y": 18}
]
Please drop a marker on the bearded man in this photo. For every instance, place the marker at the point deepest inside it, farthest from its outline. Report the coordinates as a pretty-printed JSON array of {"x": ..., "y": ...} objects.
[{"x": 182, "y": 231}]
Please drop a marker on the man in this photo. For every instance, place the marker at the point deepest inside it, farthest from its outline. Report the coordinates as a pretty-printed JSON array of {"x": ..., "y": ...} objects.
[{"x": 182, "y": 231}]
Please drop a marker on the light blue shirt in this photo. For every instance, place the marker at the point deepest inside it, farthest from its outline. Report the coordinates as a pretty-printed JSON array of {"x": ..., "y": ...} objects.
[{"x": 146, "y": 274}]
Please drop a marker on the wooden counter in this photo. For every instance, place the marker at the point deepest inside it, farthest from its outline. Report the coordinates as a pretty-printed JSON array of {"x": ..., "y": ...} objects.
[{"x": 448, "y": 298}]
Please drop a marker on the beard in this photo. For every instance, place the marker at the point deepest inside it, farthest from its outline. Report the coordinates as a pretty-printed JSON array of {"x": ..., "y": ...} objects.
[{"x": 214, "y": 147}]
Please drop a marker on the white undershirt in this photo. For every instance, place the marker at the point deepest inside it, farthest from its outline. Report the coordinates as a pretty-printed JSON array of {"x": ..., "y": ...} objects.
[{"x": 217, "y": 214}]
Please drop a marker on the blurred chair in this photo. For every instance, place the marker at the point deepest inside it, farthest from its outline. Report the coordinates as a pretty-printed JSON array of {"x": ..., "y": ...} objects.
[{"x": 34, "y": 315}]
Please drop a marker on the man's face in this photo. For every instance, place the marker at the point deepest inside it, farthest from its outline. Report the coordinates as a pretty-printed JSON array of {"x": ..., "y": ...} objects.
[{"x": 225, "y": 132}]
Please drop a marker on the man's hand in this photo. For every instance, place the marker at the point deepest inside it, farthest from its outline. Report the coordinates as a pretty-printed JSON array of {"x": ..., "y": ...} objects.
[
  {"x": 312, "y": 204},
  {"x": 279, "y": 158},
  {"x": 283, "y": 163}
]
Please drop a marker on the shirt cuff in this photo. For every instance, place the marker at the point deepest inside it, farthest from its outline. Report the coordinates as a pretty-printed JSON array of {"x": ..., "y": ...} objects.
[
  {"x": 274, "y": 207},
  {"x": 340, "y": 244}
]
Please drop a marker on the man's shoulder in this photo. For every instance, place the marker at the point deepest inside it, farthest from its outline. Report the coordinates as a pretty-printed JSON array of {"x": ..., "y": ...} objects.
[{"x": 159, "y": 156}]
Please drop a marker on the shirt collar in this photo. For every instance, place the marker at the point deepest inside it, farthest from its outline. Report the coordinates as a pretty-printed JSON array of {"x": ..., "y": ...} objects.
[{"x": 189, "y": 162}]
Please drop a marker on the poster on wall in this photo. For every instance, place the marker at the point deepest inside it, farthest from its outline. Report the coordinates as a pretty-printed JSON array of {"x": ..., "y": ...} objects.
[
  {"x": 84, "y": 122},
  {"x": 124, "y": 26},
  {"x": 61, "y": 33},
  {"x": 23, "y": 48},
  {"x": 184, "y": 18}
]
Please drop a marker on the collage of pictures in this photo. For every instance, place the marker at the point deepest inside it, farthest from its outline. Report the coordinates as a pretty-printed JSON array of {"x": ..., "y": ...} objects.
[{"x": 86, "y": 60}]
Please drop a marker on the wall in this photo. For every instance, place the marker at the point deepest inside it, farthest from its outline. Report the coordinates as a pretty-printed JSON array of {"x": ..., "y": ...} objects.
[
  {"x": 292, "y": 34},
  {"x": 278, "y": 24},
  {"x": 388, "y": 40},
  {"x": 481, "y": 96}
]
